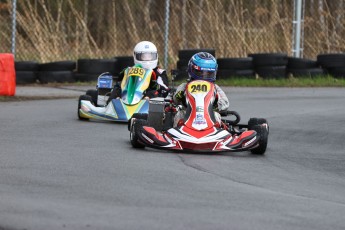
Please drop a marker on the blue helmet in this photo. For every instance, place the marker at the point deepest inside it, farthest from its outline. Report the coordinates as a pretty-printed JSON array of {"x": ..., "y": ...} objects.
[{"x": 202, "y": 66}]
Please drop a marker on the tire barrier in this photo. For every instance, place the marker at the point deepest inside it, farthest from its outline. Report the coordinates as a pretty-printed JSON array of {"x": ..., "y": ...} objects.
[
  {"x": 56, "y": 72},
  {"x": 45, "y": 77},
  {"x": 7, "y": 75},
  {"x": 26, "y": 72},
  {"x": 271, "y": 72},
  {"x": 26, "y": 77},
  {"x": 90, "y": 69},
  {"x": 224, "y": 74},
  {"x": 334, "y": 64},
  {"x": 270, "y": 65},
  {"x": 58, "y": 66},
  {"x": 235, "y": 67},
  {"x": 264, "y": 65},
  {"x": 301, "y": 67},
  {"x": 123, "y": 62}
]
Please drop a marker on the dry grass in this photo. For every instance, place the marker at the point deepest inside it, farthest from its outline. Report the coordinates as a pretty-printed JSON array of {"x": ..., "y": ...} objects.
[{"x": 72, "y": 29}]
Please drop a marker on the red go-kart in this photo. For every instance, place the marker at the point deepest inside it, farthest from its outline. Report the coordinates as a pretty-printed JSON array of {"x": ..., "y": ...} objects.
[{"x": 199, "y": 131}]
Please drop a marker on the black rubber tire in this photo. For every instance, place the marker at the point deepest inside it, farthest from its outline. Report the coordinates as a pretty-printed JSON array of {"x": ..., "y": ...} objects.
[
  {"x": 83, "y": 97},
  {"x": 337, "y": 72},
  {"x": 269, "y": 72},
  {"x": 182, "y": 64},
  {"x": 312, "y": 72},
  {"x": 256, "y": 121},
  {"x": 86, "y": 77},
  {"x": 269, "y": 59},
  {"x": 263, "y": 135},
  {"x": 235, "y": 63},
  {"x": 231, "y": 73},
  {"x": 123, "y": 62},
  {"x": 97, "y": 66},
  {"x": 188, "y": 53},
  {"x": 182, "y": 75},
  {"x": 26, "y": 77},
  {"x": 93, "y": 94},
  {"x": 142, "y": 116},
  {"x": 26, "y": 66},
  {"x": 116, "y": 92},
  {"x": 58, "y": 66},
  {"x": 168, "y": 121},
  {"x": 55, "y": 76},
  {"x": 331, "y": 60},
  {"x": 256, "y": 124},
  {"x": 137, "y": 124},
  {"x": 301, "y": 63}
]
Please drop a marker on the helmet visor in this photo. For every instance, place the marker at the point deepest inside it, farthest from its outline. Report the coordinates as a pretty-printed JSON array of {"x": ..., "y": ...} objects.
[
  {"x": 146, "y": 56},
  {"x": 203, "y": 73}
]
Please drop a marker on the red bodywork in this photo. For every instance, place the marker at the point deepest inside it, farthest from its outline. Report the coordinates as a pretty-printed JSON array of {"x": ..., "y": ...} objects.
[{"x": 200, "y": 130}]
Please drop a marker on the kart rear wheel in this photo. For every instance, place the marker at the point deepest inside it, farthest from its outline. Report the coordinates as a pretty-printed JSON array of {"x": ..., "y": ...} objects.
[
  {"x": 86, "y": 98},
  {"x": 136, "y": 124},
  {"x": 168, "y": 120},
  {"x": 262, "y": 130}
]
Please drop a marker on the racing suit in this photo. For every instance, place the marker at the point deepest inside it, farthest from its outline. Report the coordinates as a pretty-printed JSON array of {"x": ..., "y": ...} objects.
[
  {"x": 158, "y": 86},
  {"x": 222, "y": 102}
]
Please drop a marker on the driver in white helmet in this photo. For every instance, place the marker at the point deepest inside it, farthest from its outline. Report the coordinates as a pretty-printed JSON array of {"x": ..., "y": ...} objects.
[{"x": 145, "y": 54}]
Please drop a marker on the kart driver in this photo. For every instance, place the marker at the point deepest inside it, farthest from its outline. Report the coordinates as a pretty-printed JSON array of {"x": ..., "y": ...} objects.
[
  {"x": 202, "y": 66},
  {"x": 145, "y": 55}
]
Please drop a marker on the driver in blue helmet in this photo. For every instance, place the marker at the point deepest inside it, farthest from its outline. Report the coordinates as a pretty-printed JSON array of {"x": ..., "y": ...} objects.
[{"x": 201, "y": 66}]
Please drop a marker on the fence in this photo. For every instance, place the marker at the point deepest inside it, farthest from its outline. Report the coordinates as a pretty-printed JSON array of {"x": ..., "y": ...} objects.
[{"x": 48, "y": 30}]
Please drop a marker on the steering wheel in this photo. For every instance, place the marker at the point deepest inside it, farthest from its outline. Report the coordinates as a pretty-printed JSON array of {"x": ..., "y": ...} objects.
[{"x": 231, "y": 113}]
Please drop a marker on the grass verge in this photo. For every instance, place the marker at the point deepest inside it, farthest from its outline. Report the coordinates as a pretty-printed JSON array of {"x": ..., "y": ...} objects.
[{"x": 318, "y": 81}]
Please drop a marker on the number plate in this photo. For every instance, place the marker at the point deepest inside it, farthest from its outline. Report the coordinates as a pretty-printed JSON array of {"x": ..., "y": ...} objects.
[
  {"x": 136, "y": 71},
  {"x": 199, "y": 87}
]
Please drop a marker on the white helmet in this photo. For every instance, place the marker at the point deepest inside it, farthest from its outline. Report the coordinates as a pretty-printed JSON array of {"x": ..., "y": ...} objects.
[{"x": 145, "y": 54}]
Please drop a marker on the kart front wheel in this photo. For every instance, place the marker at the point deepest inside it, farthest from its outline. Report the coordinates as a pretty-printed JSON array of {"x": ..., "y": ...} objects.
[
  {"x": 136, "y": 124},
  {"x": 86, "y": 98},
  {"x": 262, "y": 129},
  {"x": 262, "y": 133},
  {"x": 142, "y": 116},
  {"x": 258, "y": 121},
  {"x": 93, "y": 94}
]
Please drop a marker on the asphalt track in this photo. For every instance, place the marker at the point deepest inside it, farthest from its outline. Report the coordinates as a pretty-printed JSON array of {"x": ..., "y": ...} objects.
[{"x": 57, "y": 172}]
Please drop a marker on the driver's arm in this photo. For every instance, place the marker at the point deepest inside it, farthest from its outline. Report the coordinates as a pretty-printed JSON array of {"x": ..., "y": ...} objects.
[
  {"x": 223, "y": 101},
  {"x": 179, "y": 94}
]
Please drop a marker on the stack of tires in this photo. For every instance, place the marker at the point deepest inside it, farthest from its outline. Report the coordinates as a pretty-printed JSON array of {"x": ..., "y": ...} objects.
[
  {"x": 302, "y": 67},
  {"x": 235, "y": 67},
  {"x": 90, "y": 69},
  {"x": 184, "y": 57},
  {"x": 60, "y": 71},
  {"x": 270, "y": 65},
  {"x": 334, "y": 64},
  {"x": 124, "y": 62},
  {"x": 26, "y": 72}
]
